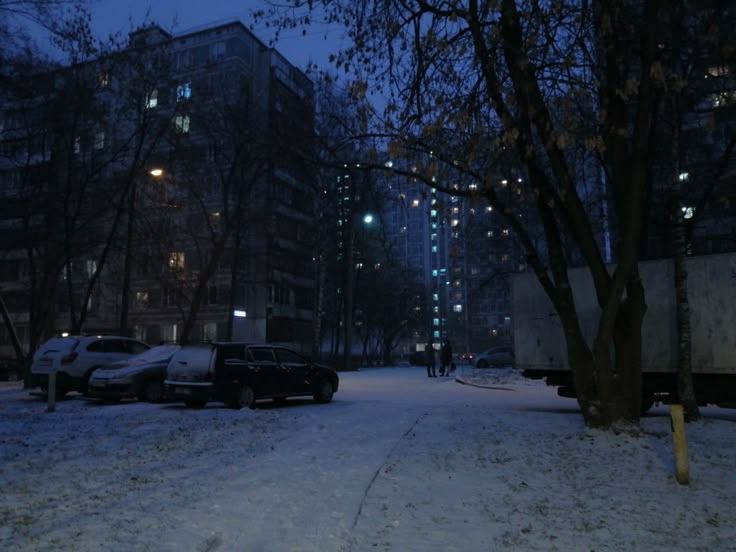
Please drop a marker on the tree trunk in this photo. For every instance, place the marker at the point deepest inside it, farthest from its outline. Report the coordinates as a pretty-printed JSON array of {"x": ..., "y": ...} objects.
[
  {"x": 685, "y": 386},
  {"x": 319, "y": 299},
  {"x": 17, "y": 347},
  {"x": 627, "y": 338}
]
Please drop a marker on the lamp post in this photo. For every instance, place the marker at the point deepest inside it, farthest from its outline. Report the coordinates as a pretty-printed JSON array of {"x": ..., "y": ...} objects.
[
  {"x": 349, "y": 299},
  {"x": 125, "y": 295}
]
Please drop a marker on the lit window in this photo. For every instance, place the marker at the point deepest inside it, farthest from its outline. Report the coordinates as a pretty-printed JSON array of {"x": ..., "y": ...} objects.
[
  {"x": 473, "y": 187},
  {"x": 489, "y": 209},
  {"x": 103, "y": 79},
  {"x": 505, "y": 231},
  {"x": 435, "y": 321},
  {"x": 490, "y": 233},
  {"x": 688, "y": 212},
  {"x": 435, "y": 297},
  {"x": 152, "y": 99},
  {"x": 415, "y": 203},
  {"x": 433, "y": 213},
  {"x": 436, "y": 309},
  {"x": 181, "y": 123},
  {"x": 99, "y": 140},
  {"x": 433, "y": 236},
  {"x": 723, "y": 99},
  {"x": 455, "y": 210},
  {"x": 90, "y": 267},
  {"x": 684, "y": 176},
  {"x": 457, "y": 308},
  {"x": 719, "y": 71},
  {"x": 176, "y": 260},
  {"x": 435, "y": 273},
  {"x": 504, "y": 182},
  {"x": 184, "y": 91},
  {"x": 434, "y": 249},
  {"x": 77, "y": 145},
  {"x": 454, "y": 222}
]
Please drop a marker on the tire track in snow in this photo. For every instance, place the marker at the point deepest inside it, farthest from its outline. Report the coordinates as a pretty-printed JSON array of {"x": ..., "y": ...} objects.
[{"x": 381, "y": 467}]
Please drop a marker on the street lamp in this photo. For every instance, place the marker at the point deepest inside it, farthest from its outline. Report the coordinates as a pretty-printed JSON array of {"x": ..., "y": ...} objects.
[
  {"x": 155, "y": 172},
  {"x": 348, "y": 300}
]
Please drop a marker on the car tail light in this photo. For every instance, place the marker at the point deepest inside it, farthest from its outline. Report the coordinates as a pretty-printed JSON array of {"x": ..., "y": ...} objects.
[{"x": 68, "y": 359}]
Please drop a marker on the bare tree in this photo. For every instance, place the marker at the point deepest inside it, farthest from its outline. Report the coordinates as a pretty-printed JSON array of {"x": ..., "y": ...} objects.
[{"x": 467, "y": 80}]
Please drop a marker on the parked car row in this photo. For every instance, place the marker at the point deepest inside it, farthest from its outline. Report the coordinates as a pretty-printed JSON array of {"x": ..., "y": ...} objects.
[{"x": 238, "y": 374}]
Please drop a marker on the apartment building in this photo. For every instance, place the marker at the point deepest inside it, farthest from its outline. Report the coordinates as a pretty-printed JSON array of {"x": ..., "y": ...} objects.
[{"x": 169, "y": 201}]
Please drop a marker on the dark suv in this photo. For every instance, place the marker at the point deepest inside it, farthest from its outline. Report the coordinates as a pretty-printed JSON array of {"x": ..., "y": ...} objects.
[{"x": 239, "y": 374}]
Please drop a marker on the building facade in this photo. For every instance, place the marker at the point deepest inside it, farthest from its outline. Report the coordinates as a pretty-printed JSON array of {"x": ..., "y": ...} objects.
[{"x": 176, "y": 206}]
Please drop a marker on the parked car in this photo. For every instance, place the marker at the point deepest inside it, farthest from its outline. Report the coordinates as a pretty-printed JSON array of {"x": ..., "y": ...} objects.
[
  {"x": 74, "y": 358},
  {"x": 467, "y": 358},
  {"x": 239, "y": 374},
  {"x": 141, "y": 376},
  {"x": 496, "y": 356}
]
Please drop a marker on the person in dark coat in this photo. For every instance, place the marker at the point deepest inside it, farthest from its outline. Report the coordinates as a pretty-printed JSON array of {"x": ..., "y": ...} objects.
[
  {"x": 445, "y": 358},
  {"x": 429, "y": 359}
]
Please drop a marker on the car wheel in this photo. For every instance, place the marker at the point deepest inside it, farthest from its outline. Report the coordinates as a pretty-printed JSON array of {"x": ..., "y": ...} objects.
[
  {"x": 152, "y": 391},
  {"x": 195, "y": 403},
  {"x": 84, "y": 390},
  {"x": 324, "y": 392},
  {"x": 244, "y": 397},
  {"x": 482, "y": 364}
]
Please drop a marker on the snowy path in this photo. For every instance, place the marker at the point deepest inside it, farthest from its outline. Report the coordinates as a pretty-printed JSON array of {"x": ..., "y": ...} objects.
[{"x": 398, "y": 462}]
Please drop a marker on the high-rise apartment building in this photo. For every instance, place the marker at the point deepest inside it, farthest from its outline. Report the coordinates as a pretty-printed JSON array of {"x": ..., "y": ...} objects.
[{"x": 170, "y": 202}]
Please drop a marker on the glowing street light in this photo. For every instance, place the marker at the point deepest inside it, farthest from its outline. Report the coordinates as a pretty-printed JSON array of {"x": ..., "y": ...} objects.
[
  {"x": 156, "y": 172},
  {"x": 367, "y": 218}
]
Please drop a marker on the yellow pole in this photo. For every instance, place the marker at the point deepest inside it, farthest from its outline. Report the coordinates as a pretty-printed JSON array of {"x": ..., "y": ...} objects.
[{"x": 682, "y": 470}]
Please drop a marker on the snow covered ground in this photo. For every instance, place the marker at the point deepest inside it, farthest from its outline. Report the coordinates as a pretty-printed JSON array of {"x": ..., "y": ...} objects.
[{"x": 397, "y": 462}]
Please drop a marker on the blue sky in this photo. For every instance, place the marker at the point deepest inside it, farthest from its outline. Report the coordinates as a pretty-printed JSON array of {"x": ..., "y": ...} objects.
[{"x": 110, "y": 16}]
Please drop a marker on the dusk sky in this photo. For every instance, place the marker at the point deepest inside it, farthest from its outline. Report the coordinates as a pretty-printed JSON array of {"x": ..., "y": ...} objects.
[{"x": 177, "y": 16}]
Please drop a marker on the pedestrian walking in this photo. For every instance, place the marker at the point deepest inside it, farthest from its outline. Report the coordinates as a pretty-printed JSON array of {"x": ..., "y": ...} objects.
[
  {"x": 445, "y": 358},
  {"x": 429, "y": 359}
]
